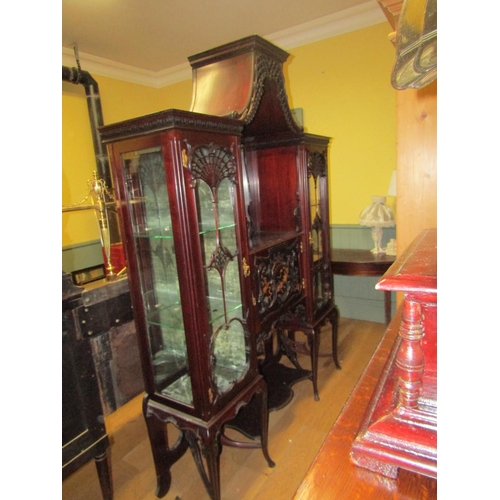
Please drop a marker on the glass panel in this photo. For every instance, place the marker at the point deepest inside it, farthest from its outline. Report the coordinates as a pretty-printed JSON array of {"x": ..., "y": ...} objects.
[
  {"x": 153, "y": 239},
  {"x": 316, "y": 223},
  {"x": 229, "y": 355},
  {"x": 214, "y": 168},
  {"x": 319, "y": 219},
  {"x": 318, "y": 286}
]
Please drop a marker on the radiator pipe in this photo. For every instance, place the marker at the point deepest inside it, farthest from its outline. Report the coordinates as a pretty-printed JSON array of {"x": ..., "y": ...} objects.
[
  {"x": 80, "y": 77},
  {"x": 108, "y": 227}
]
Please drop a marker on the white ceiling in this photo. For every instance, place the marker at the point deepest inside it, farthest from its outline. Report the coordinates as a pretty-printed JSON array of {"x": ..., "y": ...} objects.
[{"x": 149, "y": 41}]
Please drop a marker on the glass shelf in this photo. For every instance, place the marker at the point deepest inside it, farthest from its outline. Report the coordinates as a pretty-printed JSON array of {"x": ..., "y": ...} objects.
[
  {"x": 168, "y": 316},
  {"x": 207, "y": 228},
  {"x": 155, "y": 233}
]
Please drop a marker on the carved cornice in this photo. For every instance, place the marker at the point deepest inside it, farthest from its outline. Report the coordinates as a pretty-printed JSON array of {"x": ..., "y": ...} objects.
[
  {"x": 269, "y": 68},
  {"x": 165, "y": 120}
]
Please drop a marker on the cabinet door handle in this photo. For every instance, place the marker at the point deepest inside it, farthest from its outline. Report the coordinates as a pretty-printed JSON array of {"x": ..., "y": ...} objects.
[{"x": 246, "y": 268}]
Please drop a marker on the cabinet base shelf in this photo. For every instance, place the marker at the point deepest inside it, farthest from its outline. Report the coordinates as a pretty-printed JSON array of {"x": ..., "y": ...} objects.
[{"x": 279, "y": 379}]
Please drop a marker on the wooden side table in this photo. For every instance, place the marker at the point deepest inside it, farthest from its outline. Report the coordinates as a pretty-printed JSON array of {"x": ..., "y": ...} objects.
[{"x": 354, "y": 262}]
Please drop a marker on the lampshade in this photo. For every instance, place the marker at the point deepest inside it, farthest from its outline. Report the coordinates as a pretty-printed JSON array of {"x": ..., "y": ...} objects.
[{"x": 377, "y": 214}]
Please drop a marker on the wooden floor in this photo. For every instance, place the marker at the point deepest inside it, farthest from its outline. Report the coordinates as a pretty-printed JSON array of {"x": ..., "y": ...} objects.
[{"x": 296, "y": 433}]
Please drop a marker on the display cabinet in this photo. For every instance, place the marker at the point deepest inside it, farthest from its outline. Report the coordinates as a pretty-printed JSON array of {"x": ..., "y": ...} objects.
[
  {"x": 224, "y": 212},
  {"x": 177, "y": 176}
]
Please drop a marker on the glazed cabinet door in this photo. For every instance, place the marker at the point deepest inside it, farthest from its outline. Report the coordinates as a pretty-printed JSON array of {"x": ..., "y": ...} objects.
[
  {"x": 212, "y": 173},
  {"x": 155, "y": 274},
  {"x": 319, "y": 229},
  {"x": 181, "y": 207}
]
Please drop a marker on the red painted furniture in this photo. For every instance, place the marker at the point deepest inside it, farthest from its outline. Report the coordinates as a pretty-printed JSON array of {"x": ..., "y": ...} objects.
[
  {"x": 332, "y": 474},
  {"x": 399, "y": 428}
]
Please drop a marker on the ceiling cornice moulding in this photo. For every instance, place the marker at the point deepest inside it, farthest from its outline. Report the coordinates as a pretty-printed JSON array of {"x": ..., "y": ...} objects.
[{"x": 352, "y": 19}]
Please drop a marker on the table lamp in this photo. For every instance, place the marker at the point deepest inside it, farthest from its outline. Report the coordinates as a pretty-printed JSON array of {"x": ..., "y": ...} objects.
[{"x": 377, "y": 216}]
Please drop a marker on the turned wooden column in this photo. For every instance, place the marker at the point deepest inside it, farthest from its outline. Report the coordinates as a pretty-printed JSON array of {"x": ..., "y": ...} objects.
[
  {"x": 399, "y": 428},
  {"x": 410, "y": 357}
]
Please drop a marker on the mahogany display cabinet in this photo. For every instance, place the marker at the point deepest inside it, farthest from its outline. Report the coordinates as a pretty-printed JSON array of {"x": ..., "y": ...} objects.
[
  {"x": 176, "y": 177},
  {"x": 225, "y": 226}
]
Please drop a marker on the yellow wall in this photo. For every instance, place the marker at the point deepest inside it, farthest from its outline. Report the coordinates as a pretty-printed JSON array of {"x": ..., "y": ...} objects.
[
  {"x": 119, "y": 101},
  {"x": 342, "y": 84},
  {"x": 78, "y": 163}
]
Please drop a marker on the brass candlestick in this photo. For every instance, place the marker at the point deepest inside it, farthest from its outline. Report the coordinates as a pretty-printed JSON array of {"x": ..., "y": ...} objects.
[{"x": 97, "y": 193}]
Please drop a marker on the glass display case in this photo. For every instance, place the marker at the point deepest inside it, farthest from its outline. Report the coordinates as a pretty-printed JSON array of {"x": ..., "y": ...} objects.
[
  {"x": 224, "y": 211},
  {"x": 177, "y": 176},
  {"x": 154, "y": 248}
]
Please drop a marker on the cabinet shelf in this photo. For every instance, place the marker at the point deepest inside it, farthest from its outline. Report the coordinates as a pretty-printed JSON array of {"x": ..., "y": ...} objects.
[
  {"x": 167, "y": 316},
  {"x": 264, "y": 240},
  {"x": 180, "y": 390},
  {"x": 154, "y": 233},
  {"x": 211, "y": 229}
]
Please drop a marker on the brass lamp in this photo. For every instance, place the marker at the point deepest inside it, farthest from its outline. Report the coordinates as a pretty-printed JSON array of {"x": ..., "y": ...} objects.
[{"x": 377, "y": 216}]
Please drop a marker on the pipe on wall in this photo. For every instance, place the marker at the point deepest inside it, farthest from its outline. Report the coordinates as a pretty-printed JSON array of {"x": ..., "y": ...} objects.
[
  {"x": 108, "y": 224},
  {"x": 84, "y": 78}
]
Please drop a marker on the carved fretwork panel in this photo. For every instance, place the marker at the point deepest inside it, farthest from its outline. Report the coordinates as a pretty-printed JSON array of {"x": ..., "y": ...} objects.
[
  {"x": 322, "y": 288},
  {"x": 278, "y": 277},
  {"x": 316, "y": 165},
  {"x": 211, "y": 163}
]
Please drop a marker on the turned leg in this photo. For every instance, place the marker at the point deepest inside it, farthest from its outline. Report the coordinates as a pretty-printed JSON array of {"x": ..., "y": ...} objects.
[
  {"x": 334, "y": 320},
  {"x": 103, "y": 467},
  {"x": 313, "y": 338}
]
